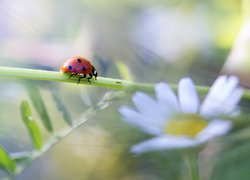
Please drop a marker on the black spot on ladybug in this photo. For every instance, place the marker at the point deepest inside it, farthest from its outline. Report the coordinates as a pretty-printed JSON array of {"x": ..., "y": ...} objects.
[
  {"x": 79, "y": 60},
  {"x": 83, "y": 68},
  {"x": 70, "y": 67}
]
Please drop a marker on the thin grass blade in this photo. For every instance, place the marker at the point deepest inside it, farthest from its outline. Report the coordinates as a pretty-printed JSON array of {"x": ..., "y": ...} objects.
[{"x": 31, "y": 125}]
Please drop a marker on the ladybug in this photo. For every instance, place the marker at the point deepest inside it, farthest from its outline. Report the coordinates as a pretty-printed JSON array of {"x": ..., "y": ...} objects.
[{"x": 78, "y": 65}]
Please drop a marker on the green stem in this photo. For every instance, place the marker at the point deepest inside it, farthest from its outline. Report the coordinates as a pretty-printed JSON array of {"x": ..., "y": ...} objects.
[
  {"x": 111, "y": 83},
  {"x": 193, "y": 165},
  {"x": 56, "y": 76}
]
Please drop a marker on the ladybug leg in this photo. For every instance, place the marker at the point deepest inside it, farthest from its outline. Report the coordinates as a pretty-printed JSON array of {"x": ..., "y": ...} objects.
[
  {"x": 73, "y": 74},
  {"x": 84, "y": 76},
  {"x": 90, "y": 76}
]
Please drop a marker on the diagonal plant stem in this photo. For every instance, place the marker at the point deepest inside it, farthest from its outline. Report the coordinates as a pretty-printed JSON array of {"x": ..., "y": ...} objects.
[
  {"x": 29, "y": 157},
  {"x": 111, "y": 83}
]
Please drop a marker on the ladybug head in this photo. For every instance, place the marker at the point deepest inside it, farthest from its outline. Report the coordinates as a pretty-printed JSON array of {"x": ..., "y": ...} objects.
[{"x": 94, "y": 72}]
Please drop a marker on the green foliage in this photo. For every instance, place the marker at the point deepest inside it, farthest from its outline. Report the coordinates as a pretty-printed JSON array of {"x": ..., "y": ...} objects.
[
  {"x": 124, "y": 71},
  {"x": 38, "y": 103},
  {"x": 31, "y": 125},
  {"x": 233, "y": 163},
  {"x": 60, "y": 106},
  {"x": 26, "y": 158},
  {"x": 6, "y": 162}
]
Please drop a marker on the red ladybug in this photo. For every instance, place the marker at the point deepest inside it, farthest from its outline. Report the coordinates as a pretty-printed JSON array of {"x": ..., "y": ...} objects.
[{"x": 78, "y": 65}]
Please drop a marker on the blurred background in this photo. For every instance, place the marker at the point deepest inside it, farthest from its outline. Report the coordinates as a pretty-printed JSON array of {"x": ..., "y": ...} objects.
[{"x": 161, "y": 40}]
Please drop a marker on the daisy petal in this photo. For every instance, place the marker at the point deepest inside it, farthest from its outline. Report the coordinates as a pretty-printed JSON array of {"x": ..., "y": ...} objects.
[
  {"x": 228, "y": 89},
  {"x": 232, "y": 101},
  {"x": 188, "y": 97},
  {"x": 214, "y": 103},
  {"x": 163, "y": 142},
  {"x": 207, "y": 107},
  {"x": 214, "y": 128},
  {"x": 138, "y": 120},
  {"x": 147, "y": 105},
  {"x": 167, "y": 97}
]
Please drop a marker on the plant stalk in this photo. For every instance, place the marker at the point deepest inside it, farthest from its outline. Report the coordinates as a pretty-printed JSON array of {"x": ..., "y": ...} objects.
[{"x": 111, "y": 83}]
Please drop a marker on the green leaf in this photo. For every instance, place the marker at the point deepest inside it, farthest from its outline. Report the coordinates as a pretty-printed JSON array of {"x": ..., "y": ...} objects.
[
  {"x": 124, "y": 70},
  {"x": 31, "y": 125},
  {"x": 6, "y": 162},
  {"x": 38, "y": 103},
  {"x": 59, "y": 104},
  {"x": 232, "y": 162}
]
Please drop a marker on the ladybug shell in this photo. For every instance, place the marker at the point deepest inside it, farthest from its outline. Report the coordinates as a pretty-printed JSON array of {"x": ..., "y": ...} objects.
[{"x": 76, "y": 64}]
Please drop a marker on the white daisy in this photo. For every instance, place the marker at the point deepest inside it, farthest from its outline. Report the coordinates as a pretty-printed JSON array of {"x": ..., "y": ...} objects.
[{"x": 182, "y": 122}]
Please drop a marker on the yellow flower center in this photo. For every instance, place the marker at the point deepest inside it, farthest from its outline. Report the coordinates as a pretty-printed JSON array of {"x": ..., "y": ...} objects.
[{"x": 185, "y": 124}]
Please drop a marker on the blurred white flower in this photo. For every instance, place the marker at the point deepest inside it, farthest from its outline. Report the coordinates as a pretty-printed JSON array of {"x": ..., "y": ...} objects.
[
  {"x": 172, "y": 34},
  {"x": 182, "y": 122}
]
